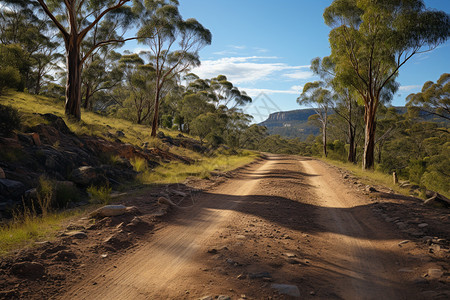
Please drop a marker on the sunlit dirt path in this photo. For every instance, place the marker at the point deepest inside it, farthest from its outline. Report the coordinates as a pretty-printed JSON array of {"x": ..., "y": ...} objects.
[{"x": 287, "y": 217}]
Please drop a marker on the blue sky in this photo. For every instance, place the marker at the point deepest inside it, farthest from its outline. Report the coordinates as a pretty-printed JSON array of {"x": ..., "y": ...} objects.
[{"x": 267, "y": 46}]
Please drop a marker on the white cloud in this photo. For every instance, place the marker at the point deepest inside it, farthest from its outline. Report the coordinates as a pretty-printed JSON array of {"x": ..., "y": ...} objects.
[
  {"x": 260, "y": 50},
  {"x": 407, "y": 88},
  {"x": 250, "y": 69},
  {"x": 253, "y": 92},
  {"x": 237, "y": 47},
  {"x": 299, "y": 74}
]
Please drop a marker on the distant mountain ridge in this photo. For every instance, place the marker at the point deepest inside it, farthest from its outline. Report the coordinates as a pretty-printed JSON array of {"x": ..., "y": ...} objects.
[
  {"x": 294, "y": 123},
  {"x": 291, "y": 124}
]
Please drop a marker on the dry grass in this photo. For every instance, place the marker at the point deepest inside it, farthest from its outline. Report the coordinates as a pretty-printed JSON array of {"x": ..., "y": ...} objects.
[
  {"x": 370, "y": 177},
  {"x": 178, "y": 172},
  {"x": 27, "y": 228}
]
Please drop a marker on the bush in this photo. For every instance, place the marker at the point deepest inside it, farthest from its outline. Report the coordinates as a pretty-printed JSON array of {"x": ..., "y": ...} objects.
[
  {"x": 100, "y": 195},
  {"x": 9, "y": 119},
  {"x": 139, "y": 164},
  {"x": 53, "y": 194},
  {"x": 9, "y": 78}
]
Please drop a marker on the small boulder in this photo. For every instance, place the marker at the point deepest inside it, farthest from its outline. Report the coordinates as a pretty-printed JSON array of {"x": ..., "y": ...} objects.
[
  {"x": 435, "y": 273},
  {"x": 287, "y": 289},
  {"x": 438, "y": 200},
  {"x": 109, "y": 211},
  {"x": 88, "y": 175},
  {"x": 165, "y": 201},
  {"x": 2, "y": 174},
  {"x": 28, "y": 269},
  {"x": 11, "y": 188},
  {"x": 77, "y": 234}
]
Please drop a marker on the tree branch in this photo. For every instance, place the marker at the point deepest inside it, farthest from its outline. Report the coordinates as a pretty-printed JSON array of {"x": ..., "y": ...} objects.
[
  {"x": 52, "y": 17},
  {"x": 99, "y": 17}
]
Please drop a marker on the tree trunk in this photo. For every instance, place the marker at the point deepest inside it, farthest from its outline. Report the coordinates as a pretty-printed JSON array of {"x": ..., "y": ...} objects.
[
  {"x": 324, "y": 140},
  {"x": 87, "y": 97},
  {"x": 351, "y": 140},
  {"x": 369, "y": 141},
  {"x": 156, "y": 113},
  {"x": 73, "y": 85}
]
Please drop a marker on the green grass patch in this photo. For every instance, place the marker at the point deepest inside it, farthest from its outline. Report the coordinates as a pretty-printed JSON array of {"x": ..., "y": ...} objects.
[
  {"x": 178, "y": 172},
  {"x": 92, "y": 124},
  {"x": 28, "y": 228},
  {"x": 100, "y": 195}
]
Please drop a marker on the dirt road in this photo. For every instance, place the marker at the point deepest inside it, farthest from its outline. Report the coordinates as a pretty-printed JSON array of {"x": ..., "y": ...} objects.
[{"x": 284, "y": 226}]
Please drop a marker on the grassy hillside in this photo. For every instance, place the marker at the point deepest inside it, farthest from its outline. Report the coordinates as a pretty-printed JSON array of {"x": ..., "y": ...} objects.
[{"x": 29, "y": 226}]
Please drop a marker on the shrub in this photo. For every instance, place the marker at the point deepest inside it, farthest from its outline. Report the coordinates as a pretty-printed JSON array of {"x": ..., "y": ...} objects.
[
  {"x": 100, "y": 195},
  {"x": 139, "y": 164},
  {"x": 9, "y": 119},
  {"x": 52, "y": 194}
]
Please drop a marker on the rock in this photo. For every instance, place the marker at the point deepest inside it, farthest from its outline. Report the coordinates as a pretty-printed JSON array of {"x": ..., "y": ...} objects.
[
  {"x": 206, "y": 298},
  {"x": 370, "y": 189},
  {"x": 223, "y": 297},
  {"x": 28, "y": 269},
  {"x": 438, "y": 200},
  {"x": 435, "y": 273},
  {"x": 120, "y": 133},
  {"x": 287, "y": 289},
  {"x": 179, "y": 193},
  {"x": 165, "y": 201},
  {"x": 259, "y": 275},
  {"x": 65, "y": 255},
  {"x": 2, "y": 174},
  {"x": 77, "y": 234},
  {"x": 241, "y": 276},
  {"x": 31, "y": 194},
  {"x": 109, "y": 211},
  {"x": 403, "y": 242},
  {"x": 292, "y": 261},
  {"x": 11, "y": 188},
  {"x": 290, "y": 255},
  {"x": 212, "y": 251},
  {"x": 36, "y": 139},
  {"x": 422, "y": 225},
  {"x": 87, "y": 175}
]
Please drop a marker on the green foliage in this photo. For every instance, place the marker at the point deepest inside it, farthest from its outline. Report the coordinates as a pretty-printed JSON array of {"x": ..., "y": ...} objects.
[
  {"x": 371, "y": 40},
  {"x": 9, "y": 119},
  {"x": 434, "y": 98},
  {"x": 139, "y": 164},
  {"x": 55, "y": 194},
  {"x": 100, "y": 195},
  {"x": 167, "y": 121}
]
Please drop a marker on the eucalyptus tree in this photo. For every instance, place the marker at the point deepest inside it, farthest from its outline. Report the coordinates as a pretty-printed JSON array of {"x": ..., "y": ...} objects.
[
  {"x": 77, "y": 20},
  {"x": 371, "y": 40},
  {"x": 227, "y": 94},
  {"x": 20, "y": 24},
  {"x": 174, "y": 44},
  {"x": 320, "y": 98},
  {"x": 139, "y": 78},
  {"x": 434, "y": 99},
  {"x": 102, "y": 73}
]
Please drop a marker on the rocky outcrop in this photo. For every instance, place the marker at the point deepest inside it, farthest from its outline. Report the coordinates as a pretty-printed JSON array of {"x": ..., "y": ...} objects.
[{"x": 51, "y": 150}]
